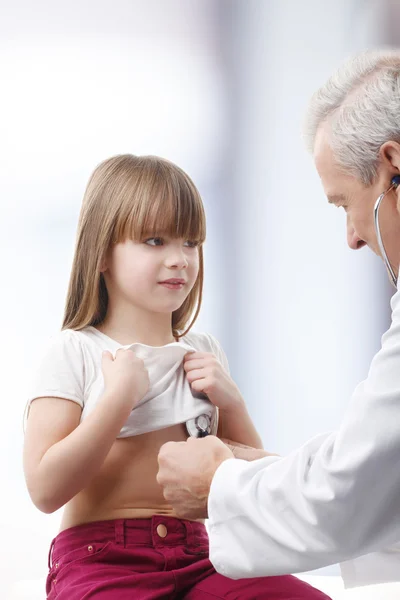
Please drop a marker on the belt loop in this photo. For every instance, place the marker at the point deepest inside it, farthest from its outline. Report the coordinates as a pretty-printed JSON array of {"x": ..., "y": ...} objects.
[
  {"x": 189, "y": 533},
  {"x": 49, "y": 560},
  {"x": 120, "y": 532}
]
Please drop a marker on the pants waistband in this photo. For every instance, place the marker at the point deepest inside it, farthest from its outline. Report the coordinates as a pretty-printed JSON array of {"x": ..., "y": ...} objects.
[{"x": 156, "y": 531}]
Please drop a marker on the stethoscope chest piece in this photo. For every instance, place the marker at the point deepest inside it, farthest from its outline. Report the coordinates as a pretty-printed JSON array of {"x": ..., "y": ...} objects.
[{"x": 199, "y": 427}]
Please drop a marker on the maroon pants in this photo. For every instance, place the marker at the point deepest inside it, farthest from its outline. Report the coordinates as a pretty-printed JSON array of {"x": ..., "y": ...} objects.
[{"x": 148, "y": 559}]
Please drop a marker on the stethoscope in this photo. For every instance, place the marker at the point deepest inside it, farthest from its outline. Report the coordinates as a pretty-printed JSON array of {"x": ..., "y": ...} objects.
[
  {"x": 199, "y": 427},
  {"x": 395, "y": 182}
]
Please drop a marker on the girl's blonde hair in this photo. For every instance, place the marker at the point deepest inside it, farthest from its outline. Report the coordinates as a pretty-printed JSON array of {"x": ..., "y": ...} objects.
[{"x": 127, "y": 197}]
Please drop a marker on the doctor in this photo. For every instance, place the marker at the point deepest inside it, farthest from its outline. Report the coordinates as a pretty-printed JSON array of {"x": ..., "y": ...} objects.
[{"x": 337, "y": 497}]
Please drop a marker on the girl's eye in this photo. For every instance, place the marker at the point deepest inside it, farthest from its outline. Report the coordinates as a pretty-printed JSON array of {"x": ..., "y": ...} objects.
[
  {"x": 157, "y": 241},
  {"x": 154, "y": 241}
]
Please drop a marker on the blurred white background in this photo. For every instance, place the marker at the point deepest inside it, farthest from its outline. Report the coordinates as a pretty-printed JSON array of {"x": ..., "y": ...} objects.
[{"x": 220, "y": 87}]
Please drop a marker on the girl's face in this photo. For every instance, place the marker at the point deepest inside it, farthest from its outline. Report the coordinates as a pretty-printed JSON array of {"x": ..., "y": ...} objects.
[{"x": 156, "y": 274}]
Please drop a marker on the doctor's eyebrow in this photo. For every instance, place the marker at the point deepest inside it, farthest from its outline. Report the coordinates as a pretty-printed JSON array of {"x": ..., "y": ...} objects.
[{"x": 336, "y": 199}]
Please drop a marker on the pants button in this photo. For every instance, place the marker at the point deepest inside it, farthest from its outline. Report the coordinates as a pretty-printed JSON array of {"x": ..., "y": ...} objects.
[{"x": 162, "y": 530}]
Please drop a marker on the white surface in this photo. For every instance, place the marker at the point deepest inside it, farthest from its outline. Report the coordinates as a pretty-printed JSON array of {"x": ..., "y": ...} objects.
[
  {"x": 27, "y": 590},
  {"x": 333, "y": 586}
]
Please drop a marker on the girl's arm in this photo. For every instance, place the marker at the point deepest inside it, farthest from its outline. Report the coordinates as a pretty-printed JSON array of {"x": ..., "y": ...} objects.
[
  {"x": 61, "y": 456},
  {"x": 206, "y": 373},
  {"x": 235, "y": 424},
  {"x": 246, "y": 452}
]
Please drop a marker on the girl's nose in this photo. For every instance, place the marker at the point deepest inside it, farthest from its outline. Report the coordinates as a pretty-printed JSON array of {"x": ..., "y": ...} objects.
[{"x": 176, "y": 260}]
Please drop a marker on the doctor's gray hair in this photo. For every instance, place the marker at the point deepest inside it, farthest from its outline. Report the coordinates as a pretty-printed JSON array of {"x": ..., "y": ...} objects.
[{"x": 361, "y": 102}]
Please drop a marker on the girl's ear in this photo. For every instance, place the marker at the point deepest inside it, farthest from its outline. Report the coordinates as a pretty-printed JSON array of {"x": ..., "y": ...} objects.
[
  {"x": 106, "y": 259},
  {"x": 103, "y": 265}
]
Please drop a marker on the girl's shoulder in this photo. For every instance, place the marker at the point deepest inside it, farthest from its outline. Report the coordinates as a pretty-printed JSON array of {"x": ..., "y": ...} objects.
[
  {"x": 64, "y": 341},
  {"x": 82, "y": 339},
  {"x": 206, "y": 342},
  {"x": 60, "y": 353},
  {"x": 71, "y": 346},
  {"x": 202, "y": 341},
  {"x": 59, "y": 369}
]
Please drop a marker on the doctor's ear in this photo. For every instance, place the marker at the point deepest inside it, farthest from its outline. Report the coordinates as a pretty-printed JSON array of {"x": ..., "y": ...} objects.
[{"x": 389, "y": 154}]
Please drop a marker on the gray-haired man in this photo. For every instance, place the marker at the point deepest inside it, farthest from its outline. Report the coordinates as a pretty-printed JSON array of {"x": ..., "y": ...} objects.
[{"x": 337, "y": 497}]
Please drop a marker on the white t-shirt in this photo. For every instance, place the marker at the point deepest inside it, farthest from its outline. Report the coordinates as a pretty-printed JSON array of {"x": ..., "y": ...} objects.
[{"x": 71, "y": 369}]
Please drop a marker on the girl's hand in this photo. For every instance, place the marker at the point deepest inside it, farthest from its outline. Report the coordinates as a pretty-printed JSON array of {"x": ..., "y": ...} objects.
[
  {"x": 125, "y": 377},
  {"x": 206, "y": 374}
]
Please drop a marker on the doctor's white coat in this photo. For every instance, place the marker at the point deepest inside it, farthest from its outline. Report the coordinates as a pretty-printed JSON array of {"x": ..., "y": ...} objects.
[{"x": 334, "y": 499}]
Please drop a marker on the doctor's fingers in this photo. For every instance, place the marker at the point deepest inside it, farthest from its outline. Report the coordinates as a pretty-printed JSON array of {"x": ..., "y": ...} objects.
[{"x": 169, "y": 451}]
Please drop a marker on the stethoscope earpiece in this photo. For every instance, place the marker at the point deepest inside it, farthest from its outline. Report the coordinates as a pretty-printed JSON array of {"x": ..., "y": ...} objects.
[
  {"x": 394, "y": 184},
  {"x": 395, "y": 181}
]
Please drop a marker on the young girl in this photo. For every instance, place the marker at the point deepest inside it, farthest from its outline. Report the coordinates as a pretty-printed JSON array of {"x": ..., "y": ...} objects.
[{"x": 124, "y": 376}]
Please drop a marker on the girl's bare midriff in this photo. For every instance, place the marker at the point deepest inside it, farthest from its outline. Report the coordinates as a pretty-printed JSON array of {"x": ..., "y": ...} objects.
[{"x": 126, "y": 486}]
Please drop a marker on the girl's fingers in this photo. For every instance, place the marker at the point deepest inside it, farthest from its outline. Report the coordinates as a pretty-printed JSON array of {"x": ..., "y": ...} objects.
[
  {"x": 199, "y": 385},
  {"x": 196, "y": 355},
  {"x": 194, "y": 364},
  {"x": 195, "y": 374}
]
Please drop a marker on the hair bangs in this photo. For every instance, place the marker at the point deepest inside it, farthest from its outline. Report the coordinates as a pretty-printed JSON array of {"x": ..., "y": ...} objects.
[{"x": 162, "y": 202}]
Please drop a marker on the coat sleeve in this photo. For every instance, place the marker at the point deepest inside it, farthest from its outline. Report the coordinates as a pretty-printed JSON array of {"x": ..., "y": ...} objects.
[{"x": 335, "y": 498}]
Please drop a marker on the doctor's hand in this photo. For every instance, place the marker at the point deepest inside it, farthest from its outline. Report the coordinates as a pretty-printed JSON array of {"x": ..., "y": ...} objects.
[
  {"x": 206, "y": 374},
  {"x": 186, "y": 470}
]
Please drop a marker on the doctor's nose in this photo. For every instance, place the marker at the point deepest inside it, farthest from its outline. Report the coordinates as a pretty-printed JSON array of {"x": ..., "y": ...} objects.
[{"x": 354, "y": 241}]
